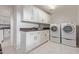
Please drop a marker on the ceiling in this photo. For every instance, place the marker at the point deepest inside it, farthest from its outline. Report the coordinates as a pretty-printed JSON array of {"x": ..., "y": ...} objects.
[{"x": 48, "y": 8}]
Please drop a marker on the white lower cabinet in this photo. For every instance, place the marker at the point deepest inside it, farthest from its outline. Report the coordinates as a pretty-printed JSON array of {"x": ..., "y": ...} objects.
[
  {"x": 47, "y": 34},
  {"x": 6, "y": 34},
  {"x": 1, "y": 35},
  {"x": 44, "y": 36},
  {"x": 36, "y": 38},
  {"x": 30, "y": 40},
  {"x": 23, "y": 42}
]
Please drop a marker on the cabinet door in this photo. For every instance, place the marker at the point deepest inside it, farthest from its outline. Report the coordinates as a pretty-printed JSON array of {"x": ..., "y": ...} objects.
[
  {"x": 41, "y": 16},
  {"x": 35, "y": 14},
  {"x": 47, "y": 34},
  {"x": 29, "y": 40},
  {"x": 27, "y": 13},
  {"x": 44, "y": 36},
  {"x": 38, "y": 38},
  {"x": 23, "y": 42},
  {"x": 41, "y": 37},
  {"x": 1, "y": 35},
  {"x": 44, "y": 17},
  {"x": 4, "y": 10},
  {"x": 7, "y": 34},
  {"x": 47, "y": 18},
  {"x": 4, "y": 20}
]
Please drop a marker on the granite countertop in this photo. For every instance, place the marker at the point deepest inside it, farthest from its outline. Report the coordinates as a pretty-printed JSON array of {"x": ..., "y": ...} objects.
[
  {"x": 4, "y": 28},
  {"x": 32, "y": 29}
]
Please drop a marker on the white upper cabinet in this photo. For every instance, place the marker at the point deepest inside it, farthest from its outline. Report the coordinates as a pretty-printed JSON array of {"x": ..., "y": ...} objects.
[
  {"x": 47, "y": 18},
  {"x": 41, "y": 15},
  {"x": 34, "y": 14},
  {"x": 27, "y": 13},
  {"x": 4, "y": 20},
  {"x": 4, "y": 10},
  {"x": 44, "y": 17},
  {"x": 4, "y": 14}
]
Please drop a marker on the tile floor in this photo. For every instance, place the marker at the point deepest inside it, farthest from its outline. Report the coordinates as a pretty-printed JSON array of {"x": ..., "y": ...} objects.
[
  {"x": 47, "y": 48},
  {"x": 7, "y": 48},
  {"x": 54, "y": 48}
]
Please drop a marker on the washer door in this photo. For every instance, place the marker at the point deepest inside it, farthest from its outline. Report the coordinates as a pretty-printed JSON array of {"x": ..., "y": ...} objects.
[
  {"x": 68, "y": 29},
  {"x": 54, "y": 28}
]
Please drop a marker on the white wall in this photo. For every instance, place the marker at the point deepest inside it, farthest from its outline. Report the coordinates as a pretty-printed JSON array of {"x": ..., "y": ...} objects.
[
  {"x": 78, "y": 16},
  {"x": 65, "y": 14}
]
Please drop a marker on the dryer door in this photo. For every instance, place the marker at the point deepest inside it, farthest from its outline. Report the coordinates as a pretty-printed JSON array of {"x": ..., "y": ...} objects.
[
  {"x": 68, "y": 29},
  {"x": 54, "y": 28}
]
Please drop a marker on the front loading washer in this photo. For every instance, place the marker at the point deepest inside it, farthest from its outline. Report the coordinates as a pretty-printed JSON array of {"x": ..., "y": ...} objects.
[
  {"x": 68, "y": 34},
  {"x": 55, "y": 33}
]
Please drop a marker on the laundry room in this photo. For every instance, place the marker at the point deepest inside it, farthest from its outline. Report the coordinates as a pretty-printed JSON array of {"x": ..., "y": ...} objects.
[{"x": 39, "y": 29}]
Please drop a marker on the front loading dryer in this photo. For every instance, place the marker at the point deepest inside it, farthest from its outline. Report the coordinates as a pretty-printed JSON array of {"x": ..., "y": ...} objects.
[
  {"x": 55, "y": 33},
  {"x": 68, "y": 33}
]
